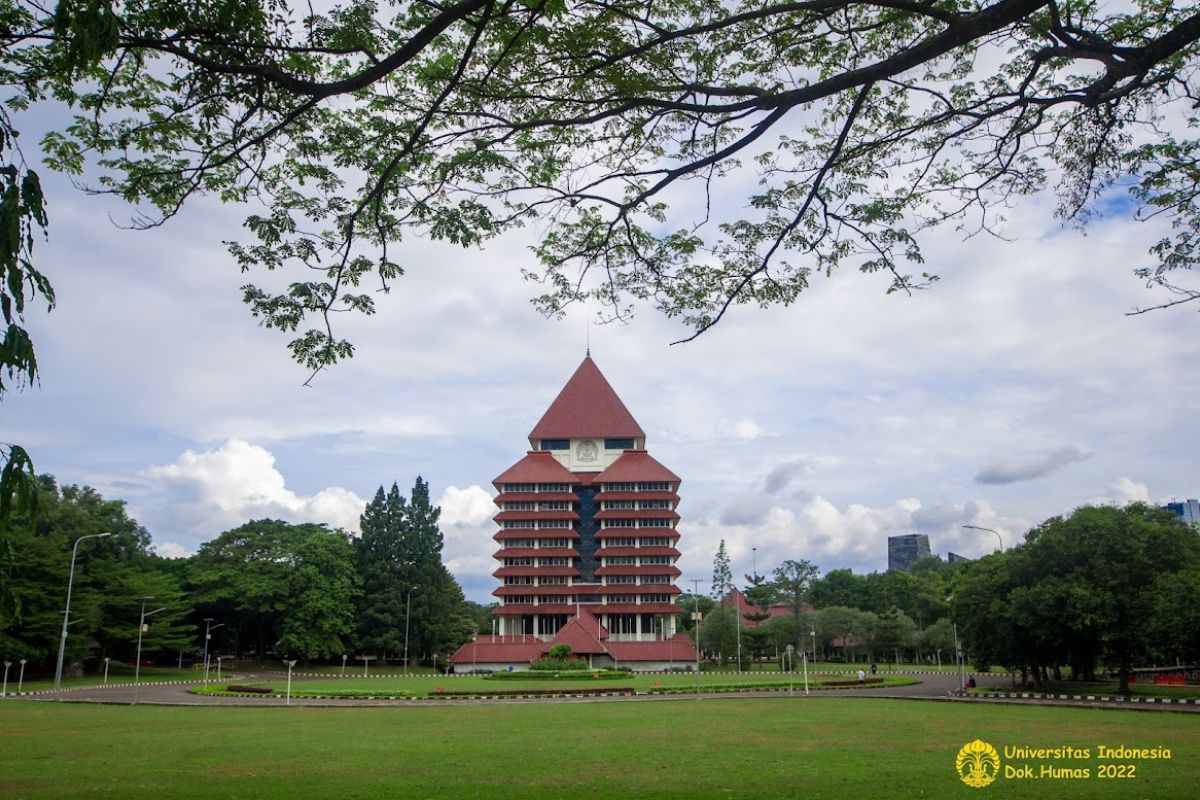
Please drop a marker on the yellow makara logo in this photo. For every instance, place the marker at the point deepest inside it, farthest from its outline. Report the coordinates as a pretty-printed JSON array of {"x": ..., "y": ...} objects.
[{"x": 978, "y": 763}]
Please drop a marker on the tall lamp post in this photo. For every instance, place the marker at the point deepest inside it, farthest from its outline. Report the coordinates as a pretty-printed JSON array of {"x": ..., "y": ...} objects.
[
  {"x": 4, "y": 691},
  {"x": 407, "y": 617},
  {"x": 21, "y": 680},
  {"x": 290, "y": 664},
  {"x": 737, "y": 610},
  {"x": 989, "y": 530},
  {"x": 62, "y": 643},
  {"x": 137, "y": 662},
  {"x": 696, "y": 619},
  {"x": 208, "y": 629}
]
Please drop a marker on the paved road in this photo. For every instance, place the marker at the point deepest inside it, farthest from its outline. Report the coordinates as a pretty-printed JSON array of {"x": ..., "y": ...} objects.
[{"x": 932, "y": 686}]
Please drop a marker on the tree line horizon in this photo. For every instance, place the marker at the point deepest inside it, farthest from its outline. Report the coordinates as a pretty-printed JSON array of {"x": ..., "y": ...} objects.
[{"x": 1101, "y": 588}]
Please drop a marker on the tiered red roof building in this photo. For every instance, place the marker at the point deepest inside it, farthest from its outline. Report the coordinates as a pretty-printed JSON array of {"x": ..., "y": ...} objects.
[{"x": 587, "y": 540}]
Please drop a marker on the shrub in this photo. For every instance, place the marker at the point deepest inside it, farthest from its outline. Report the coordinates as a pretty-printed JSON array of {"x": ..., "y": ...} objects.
[
  {"x": 249, "y": 689},
  {"x": 560, "y": 651},
  {"x": 553, "y": 664}
]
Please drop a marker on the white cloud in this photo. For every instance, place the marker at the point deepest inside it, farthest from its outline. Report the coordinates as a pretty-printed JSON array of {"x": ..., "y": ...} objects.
[
  {"x": 1122, "y": 492},
  {"x": 852, "y": 537},
  {"x": 470, "y": 507},
  {"x": 738, "y": 429},
  {"x": 1129, "y": 491},
  {"x": 239, "y": 481},
  {"x": 171, "y": 550}
]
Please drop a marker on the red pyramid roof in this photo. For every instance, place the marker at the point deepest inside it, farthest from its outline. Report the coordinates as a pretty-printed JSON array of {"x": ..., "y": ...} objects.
[
  {"x": 633, "y": 466},
  {"x": 538, "y": 466},
  {"x": 587, "y": 406},
  {"x": 581, "y": 638}
]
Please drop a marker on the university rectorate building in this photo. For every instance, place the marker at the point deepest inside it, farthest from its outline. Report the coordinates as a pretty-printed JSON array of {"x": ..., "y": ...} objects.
[{"x": 587, "y": 542}]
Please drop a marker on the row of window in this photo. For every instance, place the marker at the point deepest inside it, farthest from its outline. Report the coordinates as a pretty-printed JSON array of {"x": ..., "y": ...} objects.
[
  {"x": 543, "y": 580},
  {"x": 636, "y": 523},
  {"x": 629, "y": 541},
  {"x": 529, "y": 505},
  {"x": 624, "y": 579},
  {"x": 565, "y": 444},
  {"x": 555, "y": 560},
  {"x": 610, "y": 505},
  {"x": 528, "y": 488},
  {"x": 652, "y": 486},
  {"x": 629, "y": 561},
  {"x": 541, "y": 524},
  {"x": 563, "y": 599},
  {"x": 531, "y": 543}
]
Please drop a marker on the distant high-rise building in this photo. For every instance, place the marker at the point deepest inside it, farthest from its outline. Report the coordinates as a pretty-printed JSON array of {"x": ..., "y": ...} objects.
[
  {"x": 903, "y": 551},
  {"x": 952, "y": 557},
  {"x": 1188, "y": 510}
]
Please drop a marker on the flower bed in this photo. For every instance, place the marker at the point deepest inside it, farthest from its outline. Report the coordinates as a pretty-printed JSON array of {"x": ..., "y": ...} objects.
[
  {"x": 588, "y": 690},
  {"x": 568, "y": 675}
]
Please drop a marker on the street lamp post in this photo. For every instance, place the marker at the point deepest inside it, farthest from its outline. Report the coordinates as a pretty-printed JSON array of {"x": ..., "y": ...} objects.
[
  {"x": 219, "y": 668},
  {"x": 696, "y": 619},
  {"x": 208, "y": 629},
  {"x": 290, "y": 664},
  {"x": 989, "y": 530},
  {"x": 812, "y": 632},
  {"x": 737, "y": 610},
  {"x": 958, "y": 659},
  {"x": 804, "y": 658},
  {"x": 407, "y": 617},
  {"x": 106, "y": 660},
  {"x": 790, "y": 655},
  {"x": 137, "y": 662},
  {"x": 21, "y": 680},
  {"x": 343, "y": 665},
  {"x": 62, "y": 643},
  {"x": 4, "y": 691}
]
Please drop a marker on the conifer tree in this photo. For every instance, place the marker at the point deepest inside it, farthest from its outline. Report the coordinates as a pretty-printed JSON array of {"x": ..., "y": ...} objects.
[
  {"x": 722, "y": 582},
  {"x": 405, "y": 584}
]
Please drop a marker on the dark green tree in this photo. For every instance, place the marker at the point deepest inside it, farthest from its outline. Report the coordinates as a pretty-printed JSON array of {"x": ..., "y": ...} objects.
[
  {"x": 792, "y": 582},
  {"x": 111, "y": 574},
  {"x": 693, "y": 603},
  {"x": 895, "y": 633},
  {"x": 719, "y": 634},
  {"x": 244, "y": 580},
  {"x": 319, "y": 621},
  {"x": 1081, "y": 590},
  {"x": 405, "y": 584}
]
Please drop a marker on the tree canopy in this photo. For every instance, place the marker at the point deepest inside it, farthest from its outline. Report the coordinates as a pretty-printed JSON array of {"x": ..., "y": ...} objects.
[
  {"x": 689, "y": 155},
  {"x": 864, "y": 123}
]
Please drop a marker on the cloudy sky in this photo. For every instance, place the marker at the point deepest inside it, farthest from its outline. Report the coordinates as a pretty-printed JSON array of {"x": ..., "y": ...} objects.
[{"x": 1014, "y": 390}]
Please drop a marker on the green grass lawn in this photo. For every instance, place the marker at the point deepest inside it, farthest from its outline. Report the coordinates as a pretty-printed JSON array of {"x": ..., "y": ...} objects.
[
  {"x": 115, "y": 675},
  {"x": 734, "y": 748},
  {"x": 422, "y": 685}
]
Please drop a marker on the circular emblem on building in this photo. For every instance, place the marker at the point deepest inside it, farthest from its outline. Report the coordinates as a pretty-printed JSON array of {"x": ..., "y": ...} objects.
[
  {"x": 977, "y": 764},
  {"x": 587, "y": 451}
]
